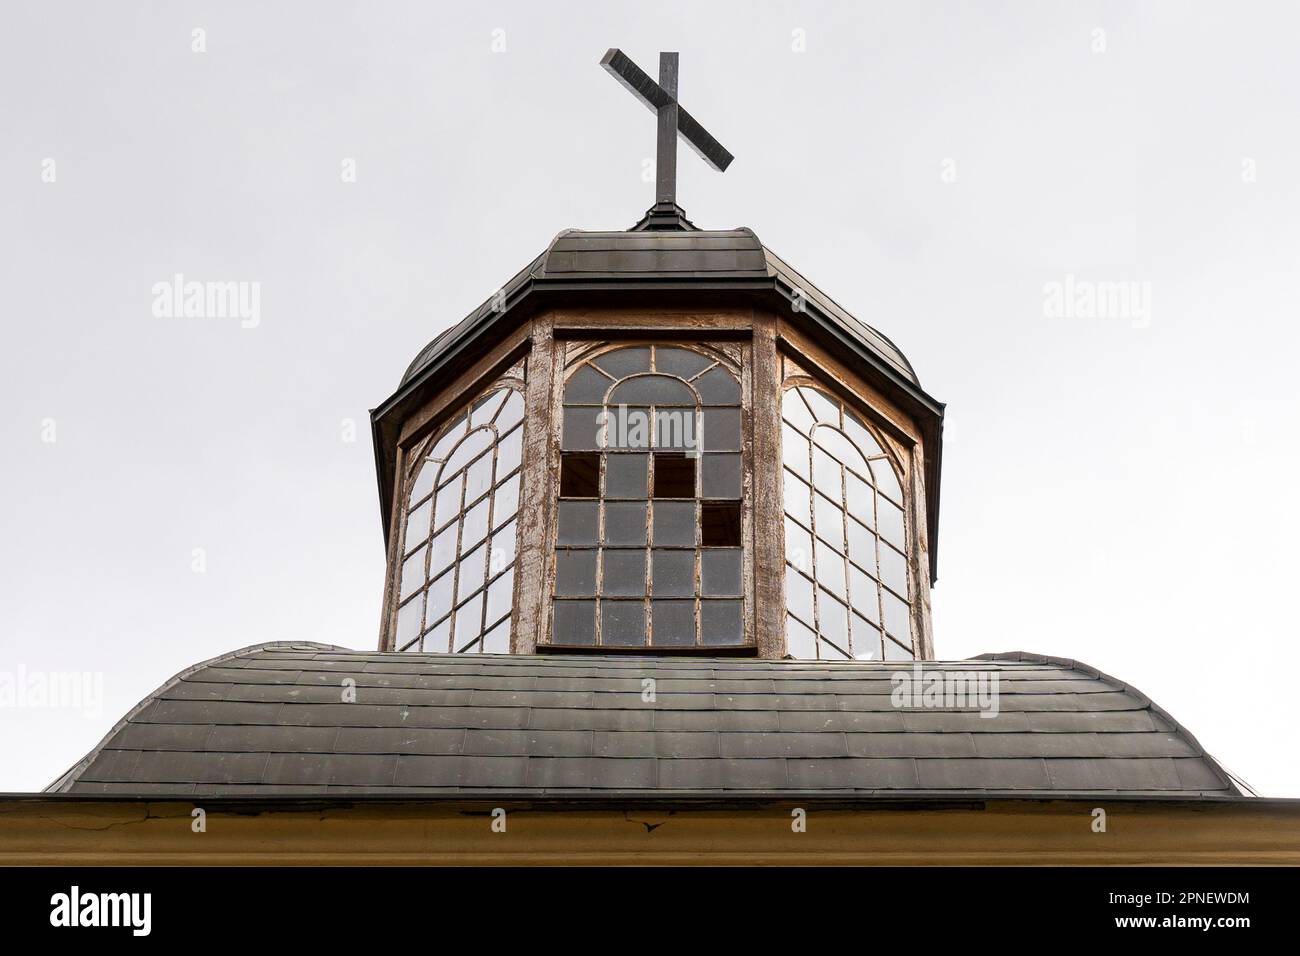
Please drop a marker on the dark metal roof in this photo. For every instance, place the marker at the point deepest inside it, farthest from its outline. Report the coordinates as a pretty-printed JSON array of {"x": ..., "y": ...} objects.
[
  {"x": 697, "y": 259},
  {"x": 269, "y": 720}
]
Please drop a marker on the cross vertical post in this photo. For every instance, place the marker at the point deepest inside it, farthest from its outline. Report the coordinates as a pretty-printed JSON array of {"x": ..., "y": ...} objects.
[{"x": 666, "y": 147}]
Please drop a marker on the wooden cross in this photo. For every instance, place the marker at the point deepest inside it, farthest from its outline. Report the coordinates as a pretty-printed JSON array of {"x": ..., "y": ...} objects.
[{"x": 674, "y": 121}]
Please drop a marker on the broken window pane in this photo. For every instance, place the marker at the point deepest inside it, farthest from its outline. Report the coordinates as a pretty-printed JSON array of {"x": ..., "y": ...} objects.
[
  {"x": 674, "y": 475},
  {"x": 720, "y": 524},
  {"x": 579, "y": 475}
]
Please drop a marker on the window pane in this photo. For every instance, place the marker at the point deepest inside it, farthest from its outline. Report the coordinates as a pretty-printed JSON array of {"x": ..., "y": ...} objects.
[
  {"x": 721, "y": 476},
  {"x": 830, "y": 520},
  {"x": 578, "y": 522},
  {"x": 896, "y": 652},
  {"x": 497, "y": 641},
  {"x": 413, "y": 573},
  {"x": 440, "y": 597},
  {"x": 674, "y": 522},
  {"x": 408, "y": 622},
  {"x": 622, "y": 623},
  {"x": 897, "y": 620},
  {"x": 674, "y": 475},
  {"x": 509, "y": 449},
  {"x": 625, "y": 522},
  {"x": 472, "y": 572},
  {"x": 485, "y": 409},
  {"x": 866, "y": 640},
  {"x": 417, "y": 525},
  {"x": 862, "y": 547},
  {"x": 720, "y": 623},
  {"x": 857, "y": 431},
  {"x": 830, "y": 570},
  {"x": 721, "y": 430},
  {"x": 673, "y": 573},
  {"x": 579, "y": 475},
  {"x": 795, "y": 410},
  {"x": 826, "y": 411},
  {"x": 720, "y": 571},
  {"x": 651, "y": 390},
  {"x": 503, "y": 549},
  {"x": 887, "y": 478},
  {"x": 861, "y": 499},
  {"x": 798, "y": 547},
  {"x": 512, "y": 412},
  {"x": 500, "y": 597},
  {"x": 832, "y": 619},
  {"x": 469, "y": 621},
  {"x": 839, "y": 447},
  {"x": 581, "y": 428},
  {"x": 621, "y": 362},
  {"x": 438, "y": 639},
  {"x": 799, "y": 641},
  {"x": 624, "y": 573},
  {"x": 587, "y": 387},
  {"x": 893, "y": 569},
  {"x": 830, "y": 651},
  {"x": 672, "y": 623},
  {"x": 575, "y": 573},
  {"x": 574, "y": 622},
  {"x": 444, "y": 549},
  {"x": 505, "y": 501},
  {"x": 443, "y": 446},
  {"x": 794, "y": 450},
  {"x": 720, "y": 524},
  {"x": 476, "y": 522},
  {"x": 477, "y": 442},
  {"x": 826, "y": 474},
  {"x": 718, "y": 387},
  {"x": 864, "y": 595},
  {"x": 447, "y": 502},
  {"x": 797, "y": 501},
  {"x": 891, "y": 521},
  {"x": 424, "y": 479},
  {"x": 798, "y": 594},
  {"x": 625, "y": 475},
  {"x": 681, "y": 362}
]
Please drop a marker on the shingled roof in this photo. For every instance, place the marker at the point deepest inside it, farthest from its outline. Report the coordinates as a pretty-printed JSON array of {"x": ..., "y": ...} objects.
[{"x": 269, "y": 720}]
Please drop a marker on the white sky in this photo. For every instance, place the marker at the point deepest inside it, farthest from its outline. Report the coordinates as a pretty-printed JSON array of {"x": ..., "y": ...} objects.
[{"x": 1117, "y": 494}]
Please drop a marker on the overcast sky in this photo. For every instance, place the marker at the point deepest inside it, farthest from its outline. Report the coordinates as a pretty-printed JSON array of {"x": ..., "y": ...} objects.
[{"x": 1117, "y": 488}]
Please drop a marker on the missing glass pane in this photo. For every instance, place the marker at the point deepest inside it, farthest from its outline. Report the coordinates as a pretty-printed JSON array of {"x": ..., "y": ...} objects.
[
  {"x": 720, "y": 524},
  {"x": 674, "y": 475},
  {"x": 579, "y": 475}
]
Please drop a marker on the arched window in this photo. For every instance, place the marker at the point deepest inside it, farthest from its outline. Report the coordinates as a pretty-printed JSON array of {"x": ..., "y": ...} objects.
[
  {"x": 648, "y": 533},
  {"x": 456, "y": 579},
  {"x": 847, "y": 593}
]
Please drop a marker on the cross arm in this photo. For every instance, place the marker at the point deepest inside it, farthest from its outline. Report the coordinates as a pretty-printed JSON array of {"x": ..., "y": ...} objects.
[{"x": 637, "y": 82}]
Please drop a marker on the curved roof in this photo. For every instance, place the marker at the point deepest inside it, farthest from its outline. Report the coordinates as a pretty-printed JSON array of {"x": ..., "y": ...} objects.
[
  {"x": 698, "y": 259},
  {"x": 270, "y": 720}
]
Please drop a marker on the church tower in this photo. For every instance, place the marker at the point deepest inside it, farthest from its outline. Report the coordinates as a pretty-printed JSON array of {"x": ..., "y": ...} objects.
[{"x": 665, "y": 441}]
